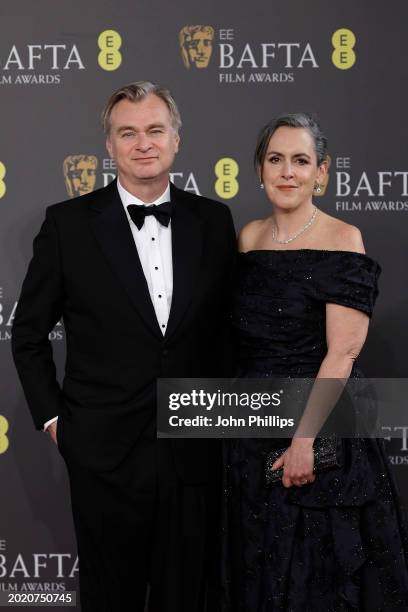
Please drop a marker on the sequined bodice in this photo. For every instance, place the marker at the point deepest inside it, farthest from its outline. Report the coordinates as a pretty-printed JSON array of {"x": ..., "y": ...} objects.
[{"x": 280, "y": 305}]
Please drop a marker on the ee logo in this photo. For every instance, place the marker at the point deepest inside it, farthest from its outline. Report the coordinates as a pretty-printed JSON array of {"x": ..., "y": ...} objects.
[
  {"x": 343, "y": 56},
  {"x": 4, "y": 441},
  {"x": 109, "y": 43},
  {"x": 2, "y": 183},
  {"x": 226, "y": 170}
]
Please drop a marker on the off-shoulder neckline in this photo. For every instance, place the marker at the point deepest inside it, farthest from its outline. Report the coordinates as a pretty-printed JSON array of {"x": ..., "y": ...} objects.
[
  {"x": 326, "y": 251},
  {"x": 302, "y": 251}
]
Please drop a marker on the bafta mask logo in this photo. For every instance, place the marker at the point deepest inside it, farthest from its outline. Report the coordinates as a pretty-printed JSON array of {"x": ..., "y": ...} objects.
[
  {"x": 196, "y": 44},
  {"x": 80, "y": 174}
]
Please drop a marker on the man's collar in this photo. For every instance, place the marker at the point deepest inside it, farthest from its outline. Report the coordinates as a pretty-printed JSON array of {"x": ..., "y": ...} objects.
[{"x": 128, "y": 198}]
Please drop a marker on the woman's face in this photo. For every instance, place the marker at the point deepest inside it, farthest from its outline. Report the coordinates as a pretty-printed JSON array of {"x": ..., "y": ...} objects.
[{"x": 290, "y": 171}]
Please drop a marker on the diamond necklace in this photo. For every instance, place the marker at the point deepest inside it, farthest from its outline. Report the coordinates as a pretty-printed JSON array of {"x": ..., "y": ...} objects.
[{"x": 303, "y": 229}]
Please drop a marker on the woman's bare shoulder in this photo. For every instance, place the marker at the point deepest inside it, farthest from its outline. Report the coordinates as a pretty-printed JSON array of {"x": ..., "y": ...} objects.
[
  {"x": 250, "y": 234},
  {"x": 342, "y": 236}
]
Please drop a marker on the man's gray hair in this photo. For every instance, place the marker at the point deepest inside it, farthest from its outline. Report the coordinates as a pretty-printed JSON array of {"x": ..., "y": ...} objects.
[{"x": 136, "y": 92}]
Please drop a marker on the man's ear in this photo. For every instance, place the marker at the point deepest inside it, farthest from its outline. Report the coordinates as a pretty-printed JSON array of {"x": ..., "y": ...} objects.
[
  {"x": 109, "y": 146},
  {"x": 176, "y": 142}
]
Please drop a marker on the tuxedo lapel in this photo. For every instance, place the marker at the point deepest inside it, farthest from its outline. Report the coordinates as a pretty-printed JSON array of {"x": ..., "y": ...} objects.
[
  {"x": 112, "y": 231},
  {"x": 187, "y": 241}
]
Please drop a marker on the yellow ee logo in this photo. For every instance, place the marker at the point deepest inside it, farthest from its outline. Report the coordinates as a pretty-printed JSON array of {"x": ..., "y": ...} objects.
[
  {"x": 109, "y": 43},
  {"x": 4, "y": 441},
  {"x": 343, "y": 56},
  {"x": 2, "y": 183},
  {"x": 226, "y": 171}
]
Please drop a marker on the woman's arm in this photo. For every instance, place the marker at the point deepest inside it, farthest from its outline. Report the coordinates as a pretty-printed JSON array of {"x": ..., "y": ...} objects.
[{"x": 346, "y": 331}]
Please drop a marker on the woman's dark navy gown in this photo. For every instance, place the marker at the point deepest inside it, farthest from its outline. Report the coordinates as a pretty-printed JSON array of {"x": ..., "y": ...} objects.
[{"x": 339, "y": 543}]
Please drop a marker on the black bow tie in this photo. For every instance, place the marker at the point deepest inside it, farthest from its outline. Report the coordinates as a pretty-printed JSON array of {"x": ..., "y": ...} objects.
[{"x": 138, "y": 212}]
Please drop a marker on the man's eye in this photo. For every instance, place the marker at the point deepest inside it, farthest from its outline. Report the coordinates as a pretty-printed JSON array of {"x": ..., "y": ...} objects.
[
  {"x": 127, "y": 134},
  {"x": 156, "y": 131},
  {"x": 303, "y": 162}
]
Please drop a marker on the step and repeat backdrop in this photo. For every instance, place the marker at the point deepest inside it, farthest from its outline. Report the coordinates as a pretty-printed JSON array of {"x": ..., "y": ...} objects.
[{"x": 231, "y": 68}]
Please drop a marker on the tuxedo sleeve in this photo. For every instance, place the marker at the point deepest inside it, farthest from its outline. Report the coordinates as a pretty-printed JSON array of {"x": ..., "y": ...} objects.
[{"x": 38, "y": 310}]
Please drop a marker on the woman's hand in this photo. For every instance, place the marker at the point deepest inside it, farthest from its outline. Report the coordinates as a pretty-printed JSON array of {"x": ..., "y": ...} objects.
[{"x": 297, "y": 462}]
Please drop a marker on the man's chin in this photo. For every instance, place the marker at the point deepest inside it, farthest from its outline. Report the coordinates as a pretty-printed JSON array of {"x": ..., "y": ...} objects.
[{"x": 147, "y": 175}]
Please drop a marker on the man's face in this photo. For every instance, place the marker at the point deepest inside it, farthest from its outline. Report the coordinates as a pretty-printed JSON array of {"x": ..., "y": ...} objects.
[
  {"x": 82, "y": 177},
  {"x": 142, "y": 140},
  {"x": 200, "y": 49}
]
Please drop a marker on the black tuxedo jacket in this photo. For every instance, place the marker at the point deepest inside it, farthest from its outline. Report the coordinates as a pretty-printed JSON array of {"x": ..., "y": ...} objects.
[{"x": 85, "y": 268}]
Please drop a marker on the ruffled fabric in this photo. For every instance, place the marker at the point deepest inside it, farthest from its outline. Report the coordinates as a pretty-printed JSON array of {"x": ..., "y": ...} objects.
[{"x": 348, "y": 279}]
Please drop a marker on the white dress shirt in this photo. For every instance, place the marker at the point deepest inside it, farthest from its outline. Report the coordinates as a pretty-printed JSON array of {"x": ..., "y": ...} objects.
[{"x": 153, "y": 244}]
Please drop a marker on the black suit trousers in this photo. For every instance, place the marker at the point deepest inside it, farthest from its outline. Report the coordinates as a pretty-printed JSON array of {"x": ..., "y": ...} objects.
[{"x": 140, "y": 529}]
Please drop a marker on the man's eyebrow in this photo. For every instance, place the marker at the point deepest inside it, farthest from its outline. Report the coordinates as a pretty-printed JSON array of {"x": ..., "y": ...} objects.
[
  {"x": 124, "y": 128},
  {"x": 155, "y": 125}
]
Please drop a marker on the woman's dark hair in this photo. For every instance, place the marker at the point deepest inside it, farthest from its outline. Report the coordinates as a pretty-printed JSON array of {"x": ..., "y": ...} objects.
[{"x": 295, "y": 120}]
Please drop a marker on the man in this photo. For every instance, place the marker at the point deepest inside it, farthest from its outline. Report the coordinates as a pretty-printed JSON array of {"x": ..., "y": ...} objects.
[{"x": 141, "y": 297}]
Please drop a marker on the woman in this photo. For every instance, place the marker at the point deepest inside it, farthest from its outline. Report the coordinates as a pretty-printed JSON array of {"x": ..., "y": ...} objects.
[{"x": 329, "y": 541}]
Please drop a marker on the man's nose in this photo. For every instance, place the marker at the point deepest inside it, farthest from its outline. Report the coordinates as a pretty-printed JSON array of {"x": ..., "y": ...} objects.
[{"x": 143, "y": 142}]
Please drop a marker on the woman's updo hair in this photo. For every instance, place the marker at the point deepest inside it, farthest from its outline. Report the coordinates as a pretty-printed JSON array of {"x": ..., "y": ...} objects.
[{"x": 295, "y": 120}]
